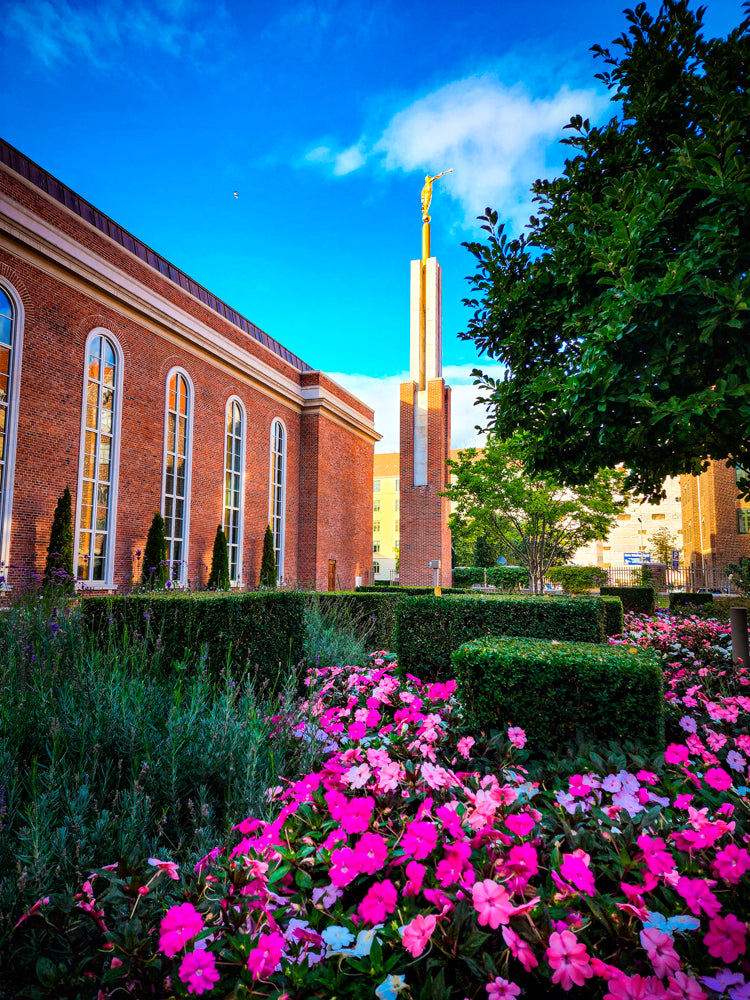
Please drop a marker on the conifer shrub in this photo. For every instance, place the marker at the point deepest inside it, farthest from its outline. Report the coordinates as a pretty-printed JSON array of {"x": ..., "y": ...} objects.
[
  {"x": 562, "y": 694},
  {"x": 58, "y": 568},
  {"x": 218, "y": 578},
  {"x": 155, "y": 568},
  {"x": 430, "y": 629},
  {"x": 268, "y": 561},
  {"x": 641, "y": 600},
  {"x": 234, "y": 631}
]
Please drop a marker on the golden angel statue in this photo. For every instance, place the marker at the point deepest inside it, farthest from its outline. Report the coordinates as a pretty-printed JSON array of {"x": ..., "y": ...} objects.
[{"x": 427, "y": 193}]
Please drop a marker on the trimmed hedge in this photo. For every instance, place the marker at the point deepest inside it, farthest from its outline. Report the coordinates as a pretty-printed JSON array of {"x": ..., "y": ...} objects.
[
  {"x": 429, "y": 629},
  {"x": 264, "y": 630},
  {"x": 505, "y": 577},
  {"x": 577, "y": 579},
  {"x": 562, "y": 694},
  {"x": 409, "y": 591},
  {"x": 642, "y": 600},
  {"x": 614, "y": 615},
  {"x": 681, "y": 600}
]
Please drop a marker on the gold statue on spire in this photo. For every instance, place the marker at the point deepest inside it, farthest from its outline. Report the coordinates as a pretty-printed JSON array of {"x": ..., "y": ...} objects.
[{"x": 427, "y": 193}]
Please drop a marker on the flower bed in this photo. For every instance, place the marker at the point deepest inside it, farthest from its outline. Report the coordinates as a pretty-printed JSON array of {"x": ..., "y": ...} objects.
[{"x": 418, "y": 861}]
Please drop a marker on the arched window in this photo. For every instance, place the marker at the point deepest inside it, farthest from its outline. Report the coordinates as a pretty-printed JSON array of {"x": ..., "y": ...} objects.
[
  {"x": 97, "y": 494},
  {"x": 277, "y": 499},
  {"x": 234, "y": 463},
  {"x": 11, "y": 334},
  {"x": 176, "y": 484}
]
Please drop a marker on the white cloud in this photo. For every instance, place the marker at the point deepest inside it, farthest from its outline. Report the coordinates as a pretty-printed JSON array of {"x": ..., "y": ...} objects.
[
  {"x": 382, "y": 394},
  {"x": 497, "y": 138}
]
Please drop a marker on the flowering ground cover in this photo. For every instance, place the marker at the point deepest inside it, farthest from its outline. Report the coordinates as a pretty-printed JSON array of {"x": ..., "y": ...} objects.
[{"x": 423, "y": 861}]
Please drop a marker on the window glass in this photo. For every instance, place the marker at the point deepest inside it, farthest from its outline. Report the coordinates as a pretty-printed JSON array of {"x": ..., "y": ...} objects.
[
  {"x": 743, "y": 521},
  {"x": 176, "y": 473},
  {"x": 234, "y": 442},
  {"x": 277, "y": 493},
  {"x": 6, "y": 347}
]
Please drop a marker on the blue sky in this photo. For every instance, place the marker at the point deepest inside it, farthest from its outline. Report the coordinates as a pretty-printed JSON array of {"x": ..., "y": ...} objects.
[{"x": 324, "y": 117}]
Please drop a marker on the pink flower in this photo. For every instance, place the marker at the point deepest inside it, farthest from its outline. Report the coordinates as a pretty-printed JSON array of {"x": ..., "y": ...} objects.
[
  {"x": 517, "y": 737},
  {"x": 169, "y": 867},
  {"x": 198, "y": 970},
  {"x": 624, "y": 987},
  {"x": 676, "y": 753},
  {"x": 683, "y": 987},
  {"x": 416, "y": 934},
  {"x": 345, "y": 866},
  {"x": 464, "y": 746},
  {"x": 660, "y": 950},
  {"x": 731, "y": 863},
  {"x": 178, "y": 926},
  {"x": 726, "y": 938},
  {"x": 502, "y": 989},
  {"x": 264, "y": 958},
  {"x": 718, "y": 778},
  {"x": 520, "y": 823},
  {"x": 415, "y": 874},
  {"x": 419, "y": 840},
  {"x": 492, "y": 903},
  {"x": 379, "y": 901},
  {"x": 568, "y": 957},
  {"x": 697, "y": 894},
  {"x": 520, "y": 949},
  {"x": 575, "y": 870},
  {"x": 372, "y": 853}
]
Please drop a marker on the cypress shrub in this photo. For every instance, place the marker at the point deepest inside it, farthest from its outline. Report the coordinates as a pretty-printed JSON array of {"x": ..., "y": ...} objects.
[
  {"x": 155, "y": 567},
  {"x": 562, "y": 694},
  {"x": 689, "y": 597},
  {"x": 264, "y": 630},
  {"x": 218, "y": 578},
  {"x": 429, "y": 629},
  {"x": 58, "y": 568},
  {"x": 613, "y": 615},
  {"x": 485, "y": 552},
  {"x": 641, "y": 600},
  {"x": 268, "y": 561}
]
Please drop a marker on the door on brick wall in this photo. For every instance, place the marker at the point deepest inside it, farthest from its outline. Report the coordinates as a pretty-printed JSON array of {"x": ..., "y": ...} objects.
[{"x": 331, "y": 574}]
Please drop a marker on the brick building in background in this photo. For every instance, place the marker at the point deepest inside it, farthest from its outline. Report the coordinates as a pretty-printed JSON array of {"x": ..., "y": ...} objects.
[
  {"x": 716, "y": 522},
  {"x": 125, "y": 380}
]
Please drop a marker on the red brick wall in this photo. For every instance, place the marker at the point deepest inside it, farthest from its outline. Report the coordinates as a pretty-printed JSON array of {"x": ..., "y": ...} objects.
[
  {"x": 329, "y": 465},
  {"x": 719, "y": 502}
]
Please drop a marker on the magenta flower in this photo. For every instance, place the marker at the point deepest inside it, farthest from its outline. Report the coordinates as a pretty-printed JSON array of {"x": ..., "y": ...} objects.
[
  {"x": 676, "y": 753},
  {"x": 502, "y": 989},
  {"x": 198, "y": 970},
  {"x": 568, "y": 957},
  {"x": 683, "y": 987},
  {"x": 574, "y": 869},
  {"x": 660, "y": 950},
  {"x": 416, "y": 934},
  {"x": 623, "y": 987},
  {"x": 520, "y": 949},
  {"x": 520, "y": 823},
  {"x": 726, "y": 938},
  {"x": 419, "y": 840},
  {"x": 379, "y": 902},
  {"x": 372, "y": 853},
  {"x": 492, "y": 903},
  {"x": 264, "y": 958},
  {"x": 718, "y": 778},
  {"x": 178, "y": 926},
  {"x": 731, "y": 863},
  {"x": 415, "y": 874},
  {"x": 697, "y": 894},
  {"x": 345, "y": 866}
]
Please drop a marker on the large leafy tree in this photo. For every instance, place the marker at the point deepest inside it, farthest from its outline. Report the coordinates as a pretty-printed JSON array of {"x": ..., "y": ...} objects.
[
  {"x": 621, "y": 315},
  {"x": 534, "y": 516}
]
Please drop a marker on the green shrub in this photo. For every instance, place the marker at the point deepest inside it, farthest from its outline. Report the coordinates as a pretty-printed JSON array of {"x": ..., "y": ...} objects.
[
  {"x": 264, "y": 630},
  {"x": 429, "y": 629},
  {"x": 681, "y": 600},
  {"x": 218, "y": 578},
  {"x": 577, "y": 579},
  {"x": 371, "y": 613},
  {"x": 642, "y": 600},
  {"x": 155, "y": 554},
  {"x": 58, "y": 568},
  {"x": 411, "y": 591},
  {"x": 613, "y": 615},
  {"x": 505, "y": 577},
  {"x": 562, "y": 694},
  {"x": 268, "y": 561}
]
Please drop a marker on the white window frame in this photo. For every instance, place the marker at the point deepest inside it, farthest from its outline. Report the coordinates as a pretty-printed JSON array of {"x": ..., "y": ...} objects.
[
  {"x": 236, "y": 582},
  {"x": 109, "y": 565},
  {"x": 180, "y": 580},
  {"x": 11, "y": 427},
  {"x": 271, "y": 487}
]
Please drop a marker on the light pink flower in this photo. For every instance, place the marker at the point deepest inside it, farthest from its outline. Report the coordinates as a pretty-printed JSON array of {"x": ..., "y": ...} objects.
[
  {"x": 198, "y": 970},
  {"x": 517, "y": 737},
  {"x": 520, "y": 948},
  {"x": 416, "y": 934},
  {"x": 492, "y": 903},
  {"x": 178, "y": 926},
  {"x": 660, "y": 950},
  {"x": 568, "y": 957},
  {"x": 726, "y": 938},
  {"x": 464, "y": 746},
  {"x": 264, "y": 958},
  {"x": 502, "y": 989},
  {"x": 380, "y": 900},
  {"x": 169, "y": 867}
]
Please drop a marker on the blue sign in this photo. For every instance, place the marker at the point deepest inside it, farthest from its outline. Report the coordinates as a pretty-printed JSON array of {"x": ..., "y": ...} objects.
[{"x": 636, "y": 558}]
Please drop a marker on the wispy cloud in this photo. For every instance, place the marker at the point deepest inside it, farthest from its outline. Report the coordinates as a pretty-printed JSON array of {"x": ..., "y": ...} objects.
[
  {"x": 58, "y": 33},
  {"x": 497, "y": 138},
  {"x": 382, "y": 394}
]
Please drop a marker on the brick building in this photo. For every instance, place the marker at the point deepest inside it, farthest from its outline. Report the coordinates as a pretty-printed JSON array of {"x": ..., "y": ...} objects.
[
  {"x": 716, "y": 522},
  {"x": 125, "y": 380}
]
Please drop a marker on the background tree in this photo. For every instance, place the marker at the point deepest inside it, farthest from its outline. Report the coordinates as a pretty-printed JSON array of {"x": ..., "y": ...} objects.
[
  {"x": 58, "y": 567},
  {"x": 534, "y": 516},
  {"x": 622, "y": 314},
  {"x": 661, "y": 543},
  {"x": 155, "y": 568},
  {"x": 485, "y": 552},
  {"x": 218, "y": 578},
  {"x": 268, "y": 561}
]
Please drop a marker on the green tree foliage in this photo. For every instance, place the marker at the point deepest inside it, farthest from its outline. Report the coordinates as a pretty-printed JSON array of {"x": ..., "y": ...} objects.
[
  {"x": 621, "y": 315},
  {"x": 661, "y": 542},
  {"x": 58, "y": 568},
  {"x": 485, "y": 552},
  {"x": 155, "y": 569},
  {"x": 533, "y": 515},
  {"x": 268, "y": 561},
  {"x": 218, "y": 578},
  {"x": 739, "y": 574}
]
